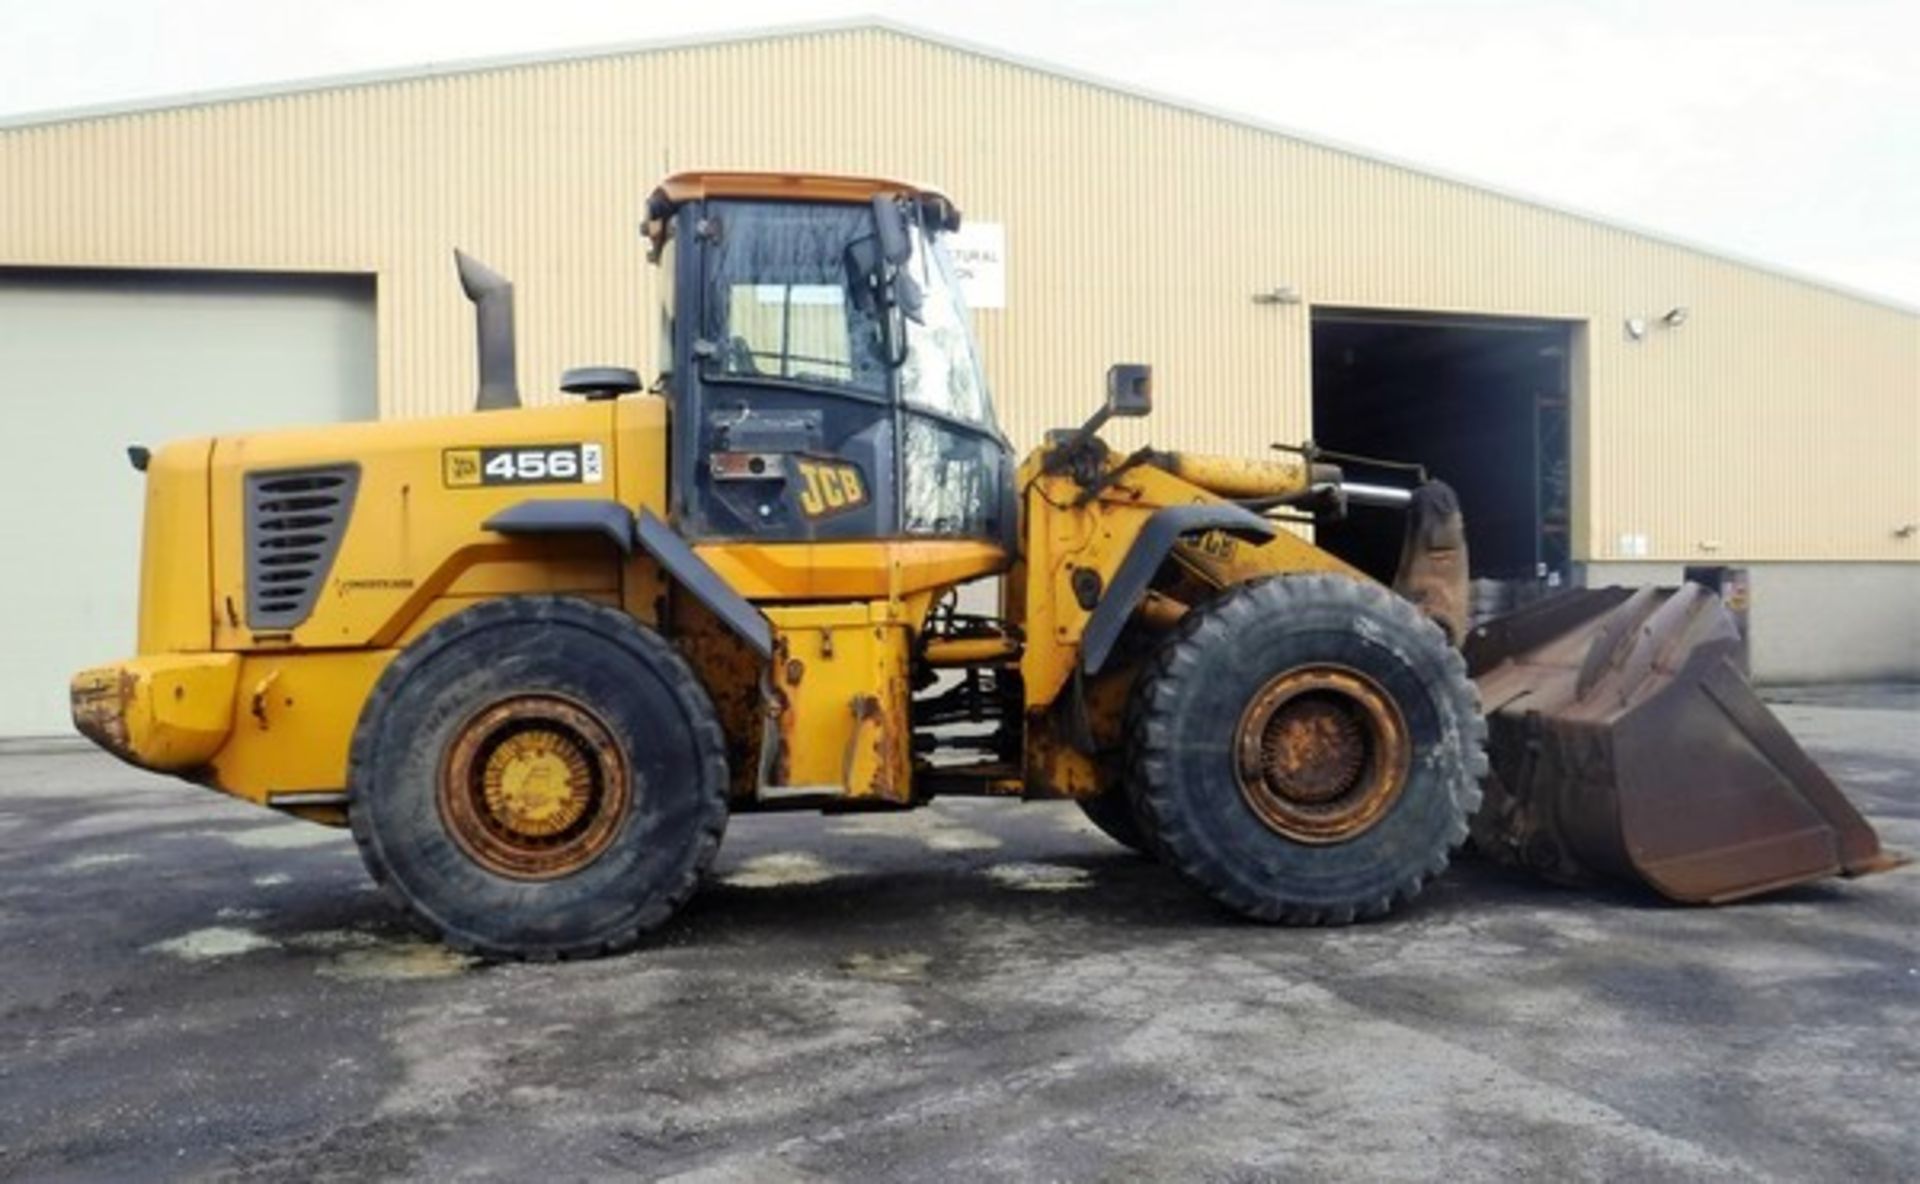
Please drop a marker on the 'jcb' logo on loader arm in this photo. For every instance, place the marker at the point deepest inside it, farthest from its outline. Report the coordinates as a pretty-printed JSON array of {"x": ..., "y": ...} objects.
[
  {"x": 1217, "y": 543},
  {"x": 828, "y": 487}
]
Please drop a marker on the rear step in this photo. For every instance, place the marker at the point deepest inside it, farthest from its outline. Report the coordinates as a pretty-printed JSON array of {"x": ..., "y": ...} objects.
[{"x": 1626, "y": 744}]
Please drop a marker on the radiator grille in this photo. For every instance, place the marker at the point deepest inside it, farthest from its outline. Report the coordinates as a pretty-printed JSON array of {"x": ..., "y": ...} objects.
[{"x": 295, "y": 518}]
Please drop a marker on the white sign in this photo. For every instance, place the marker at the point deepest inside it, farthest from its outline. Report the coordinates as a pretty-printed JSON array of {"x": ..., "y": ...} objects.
[{"x": 979, "y": 254}]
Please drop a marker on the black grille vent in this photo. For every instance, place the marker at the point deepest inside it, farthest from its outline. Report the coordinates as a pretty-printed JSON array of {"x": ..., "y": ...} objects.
[{"x": 295, "y": 518}]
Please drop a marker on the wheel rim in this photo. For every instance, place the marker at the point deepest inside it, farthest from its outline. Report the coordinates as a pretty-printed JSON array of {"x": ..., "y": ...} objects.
[
  {"x": 534, "y": 788},
  {"x": 1321, "y": 753}
]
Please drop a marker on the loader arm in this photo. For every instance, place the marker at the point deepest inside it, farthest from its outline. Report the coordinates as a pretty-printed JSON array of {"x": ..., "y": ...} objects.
[{"x": 1087, "y": 565}]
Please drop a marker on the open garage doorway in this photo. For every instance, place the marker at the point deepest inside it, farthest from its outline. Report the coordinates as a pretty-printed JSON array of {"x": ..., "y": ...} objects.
[{"x": 1485, "y": 404}]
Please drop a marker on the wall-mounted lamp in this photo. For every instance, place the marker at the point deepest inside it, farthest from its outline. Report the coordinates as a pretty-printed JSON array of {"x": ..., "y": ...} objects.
[
  {"x": 1285, "y": 294},
  {"x": 1906, "y": 530},
  {"x": 1636, "y": 328},
  {"x": 1676, "y": 316}
]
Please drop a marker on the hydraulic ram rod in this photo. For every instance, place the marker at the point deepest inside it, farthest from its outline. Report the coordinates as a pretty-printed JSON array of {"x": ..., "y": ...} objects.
[{"x": 1360, "y": 493}]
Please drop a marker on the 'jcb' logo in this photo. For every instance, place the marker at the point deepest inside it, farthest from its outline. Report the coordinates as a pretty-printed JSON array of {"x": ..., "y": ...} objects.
[
  {"x": 462, "y": 466},
  {"x": 828, "y": 487},
  {"x": 1218, "y": 544}
]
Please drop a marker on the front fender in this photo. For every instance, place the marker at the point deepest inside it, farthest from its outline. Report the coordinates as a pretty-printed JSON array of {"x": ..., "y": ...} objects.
[{"x": 1150, "y": 549}]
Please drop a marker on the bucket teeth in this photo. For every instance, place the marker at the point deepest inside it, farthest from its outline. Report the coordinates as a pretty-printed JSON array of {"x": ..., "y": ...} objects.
[{"x": 1627, "y": 745}]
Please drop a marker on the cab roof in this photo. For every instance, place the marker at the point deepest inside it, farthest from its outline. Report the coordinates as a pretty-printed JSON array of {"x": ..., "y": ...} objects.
[{"x": 700, "y": 184}]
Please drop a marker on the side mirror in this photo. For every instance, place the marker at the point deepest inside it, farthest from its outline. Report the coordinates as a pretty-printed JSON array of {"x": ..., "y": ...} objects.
[
  {"x": 880, "y": 287},
  {"x": 864, "y": 274},
  {"x": 1129, "y": 394},
  {"x": 1129, "y": 389},
  {"x": 890, "y": 224}
]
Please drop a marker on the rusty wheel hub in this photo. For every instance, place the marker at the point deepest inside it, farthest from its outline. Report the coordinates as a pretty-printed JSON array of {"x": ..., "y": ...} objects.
[
  {"x": 534, "y": 788},
  {"x": 1321, "y": 753}
]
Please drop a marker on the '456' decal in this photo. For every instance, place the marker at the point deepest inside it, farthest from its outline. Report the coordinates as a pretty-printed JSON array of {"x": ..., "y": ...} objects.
[
  {"x": 537, "y": 464},
  {"x": 828, "y": 487}
]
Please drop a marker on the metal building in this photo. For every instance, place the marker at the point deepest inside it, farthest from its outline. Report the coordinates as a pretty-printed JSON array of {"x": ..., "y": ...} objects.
[{"x": 1612, "y": 404}]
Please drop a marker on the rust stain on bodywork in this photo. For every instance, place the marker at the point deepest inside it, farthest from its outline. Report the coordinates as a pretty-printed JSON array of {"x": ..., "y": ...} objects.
[{"x": 99, "y": 701}]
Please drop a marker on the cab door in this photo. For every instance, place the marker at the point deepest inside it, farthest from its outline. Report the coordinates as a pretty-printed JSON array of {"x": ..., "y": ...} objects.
[{"x": 785, "y": 415}]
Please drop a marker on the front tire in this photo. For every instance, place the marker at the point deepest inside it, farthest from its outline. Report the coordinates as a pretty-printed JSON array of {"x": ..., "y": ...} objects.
[
  {"x": 1306, "y": 750},
  {"x": 538, "y": 777},
  {"x": 1112, "y": 812}
]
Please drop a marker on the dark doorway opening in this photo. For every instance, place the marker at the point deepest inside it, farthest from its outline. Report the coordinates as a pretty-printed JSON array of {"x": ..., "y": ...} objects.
[{"x": 1483, "y": 403}]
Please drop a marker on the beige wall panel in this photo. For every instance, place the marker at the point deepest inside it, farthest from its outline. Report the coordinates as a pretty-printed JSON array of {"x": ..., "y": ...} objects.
[
  {"x": 1781, "y": 422},
  {"x": 1816, "y": 622}
]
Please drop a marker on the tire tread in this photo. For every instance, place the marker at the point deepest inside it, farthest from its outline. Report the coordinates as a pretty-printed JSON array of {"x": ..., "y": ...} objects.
[
  {"x": 1149, "y": 726},
  {"x": 616, "y": 626}
]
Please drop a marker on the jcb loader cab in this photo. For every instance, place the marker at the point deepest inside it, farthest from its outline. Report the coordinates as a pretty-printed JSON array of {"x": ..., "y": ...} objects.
[{"x": 535, "y": 657}]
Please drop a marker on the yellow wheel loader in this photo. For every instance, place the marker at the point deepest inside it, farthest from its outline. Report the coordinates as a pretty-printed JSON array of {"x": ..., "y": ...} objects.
[{"x": 536, "y": 656}]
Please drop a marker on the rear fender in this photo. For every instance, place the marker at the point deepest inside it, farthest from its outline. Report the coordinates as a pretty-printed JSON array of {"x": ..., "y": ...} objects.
[
  {"x": 568, "y": 516},
  {"x": 600, "y": 518}
]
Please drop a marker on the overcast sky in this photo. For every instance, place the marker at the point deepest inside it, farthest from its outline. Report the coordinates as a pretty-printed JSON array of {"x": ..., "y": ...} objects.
[{"x": 1788, "y": 132}]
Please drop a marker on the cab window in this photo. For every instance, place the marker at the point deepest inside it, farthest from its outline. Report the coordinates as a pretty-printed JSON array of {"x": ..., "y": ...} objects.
[
  {"x": 777, "y": 301},
  {"x": 942, "y": 370}
]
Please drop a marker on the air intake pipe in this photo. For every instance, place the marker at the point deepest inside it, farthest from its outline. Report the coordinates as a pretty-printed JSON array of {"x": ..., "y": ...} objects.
[{"x": 492, "y": 298}]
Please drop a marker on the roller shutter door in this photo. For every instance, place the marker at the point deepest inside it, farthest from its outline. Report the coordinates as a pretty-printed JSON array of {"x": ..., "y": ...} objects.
[{"x": 93, "y": 361}]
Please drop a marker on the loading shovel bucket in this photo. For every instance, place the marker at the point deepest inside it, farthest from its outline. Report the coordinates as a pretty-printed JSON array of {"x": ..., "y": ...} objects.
[{"x": 1626, "y": 744}]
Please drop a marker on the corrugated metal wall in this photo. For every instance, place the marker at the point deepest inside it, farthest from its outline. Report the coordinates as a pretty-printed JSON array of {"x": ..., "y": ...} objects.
[{"x": 1782, "y": 421}]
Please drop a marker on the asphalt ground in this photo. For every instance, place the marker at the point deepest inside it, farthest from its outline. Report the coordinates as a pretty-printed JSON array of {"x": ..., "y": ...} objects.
[{"x": 979, "y": 990}]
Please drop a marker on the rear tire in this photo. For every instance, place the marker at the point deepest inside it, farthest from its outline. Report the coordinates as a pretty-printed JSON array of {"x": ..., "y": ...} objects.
[
  {"x": 1306, "y": 750},
  {"x": 538, "y": 777}
]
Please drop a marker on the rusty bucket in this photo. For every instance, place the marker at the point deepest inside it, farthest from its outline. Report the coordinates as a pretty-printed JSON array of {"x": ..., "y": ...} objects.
[{"x": 1626, "y": 744}]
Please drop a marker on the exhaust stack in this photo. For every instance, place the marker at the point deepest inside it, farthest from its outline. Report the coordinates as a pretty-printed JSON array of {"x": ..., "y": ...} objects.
[{"x": 492, "y": 298}]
